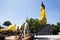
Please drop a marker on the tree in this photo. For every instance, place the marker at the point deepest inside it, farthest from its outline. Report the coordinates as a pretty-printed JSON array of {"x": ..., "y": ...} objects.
[
  {"x": 58, "y": 25},
  {"x": 7, "y": 23},
  {"x": 33, "y": 24},
  {"x": 54, "y": 29}
]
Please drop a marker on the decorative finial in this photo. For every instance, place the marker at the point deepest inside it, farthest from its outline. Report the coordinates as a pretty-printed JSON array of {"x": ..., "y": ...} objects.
[{"x": 43, "y": 5}]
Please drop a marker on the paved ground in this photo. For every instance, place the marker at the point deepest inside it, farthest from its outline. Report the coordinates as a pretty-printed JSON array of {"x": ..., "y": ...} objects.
[
  {"x": 51, "y": 37},
  {"x": 15, "y": 38},
  {"x": 11, "y": 38}
]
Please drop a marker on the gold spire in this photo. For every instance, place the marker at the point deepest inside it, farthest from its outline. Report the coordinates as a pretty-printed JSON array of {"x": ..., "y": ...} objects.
[{"x": 43, "y": 20}]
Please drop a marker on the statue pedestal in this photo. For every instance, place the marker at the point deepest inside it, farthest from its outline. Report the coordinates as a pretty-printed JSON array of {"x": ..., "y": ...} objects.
[{"x": 44, "y": 30}]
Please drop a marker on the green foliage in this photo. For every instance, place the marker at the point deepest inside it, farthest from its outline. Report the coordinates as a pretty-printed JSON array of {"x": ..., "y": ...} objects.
[
  {"x": 7, "y": 23},
  {"x": 58, "y": 25},
  {"x": 55, "y": 28},
  {"x": 33, "y": 24}
]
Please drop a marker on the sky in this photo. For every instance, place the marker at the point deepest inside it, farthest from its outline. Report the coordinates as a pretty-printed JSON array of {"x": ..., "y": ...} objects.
[{"x": 16, "y": 10}]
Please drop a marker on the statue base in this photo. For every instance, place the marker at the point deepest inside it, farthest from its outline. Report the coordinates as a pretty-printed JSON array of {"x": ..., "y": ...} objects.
[{"x": 44, "y": 30}]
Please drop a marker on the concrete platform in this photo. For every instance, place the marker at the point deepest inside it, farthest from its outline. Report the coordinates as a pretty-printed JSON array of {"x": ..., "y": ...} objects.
[
  {"x": 49, "y": 37},
  {"x": 16, "y": 38},
  {"x": 11, "y": 38}
]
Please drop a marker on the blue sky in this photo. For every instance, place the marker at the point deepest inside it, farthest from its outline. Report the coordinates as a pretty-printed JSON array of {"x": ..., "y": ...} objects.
[{"x": 17, "y": 10}]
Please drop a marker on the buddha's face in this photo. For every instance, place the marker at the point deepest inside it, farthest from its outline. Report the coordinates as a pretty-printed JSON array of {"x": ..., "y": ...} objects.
[{"x": 41, "y": 8}]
